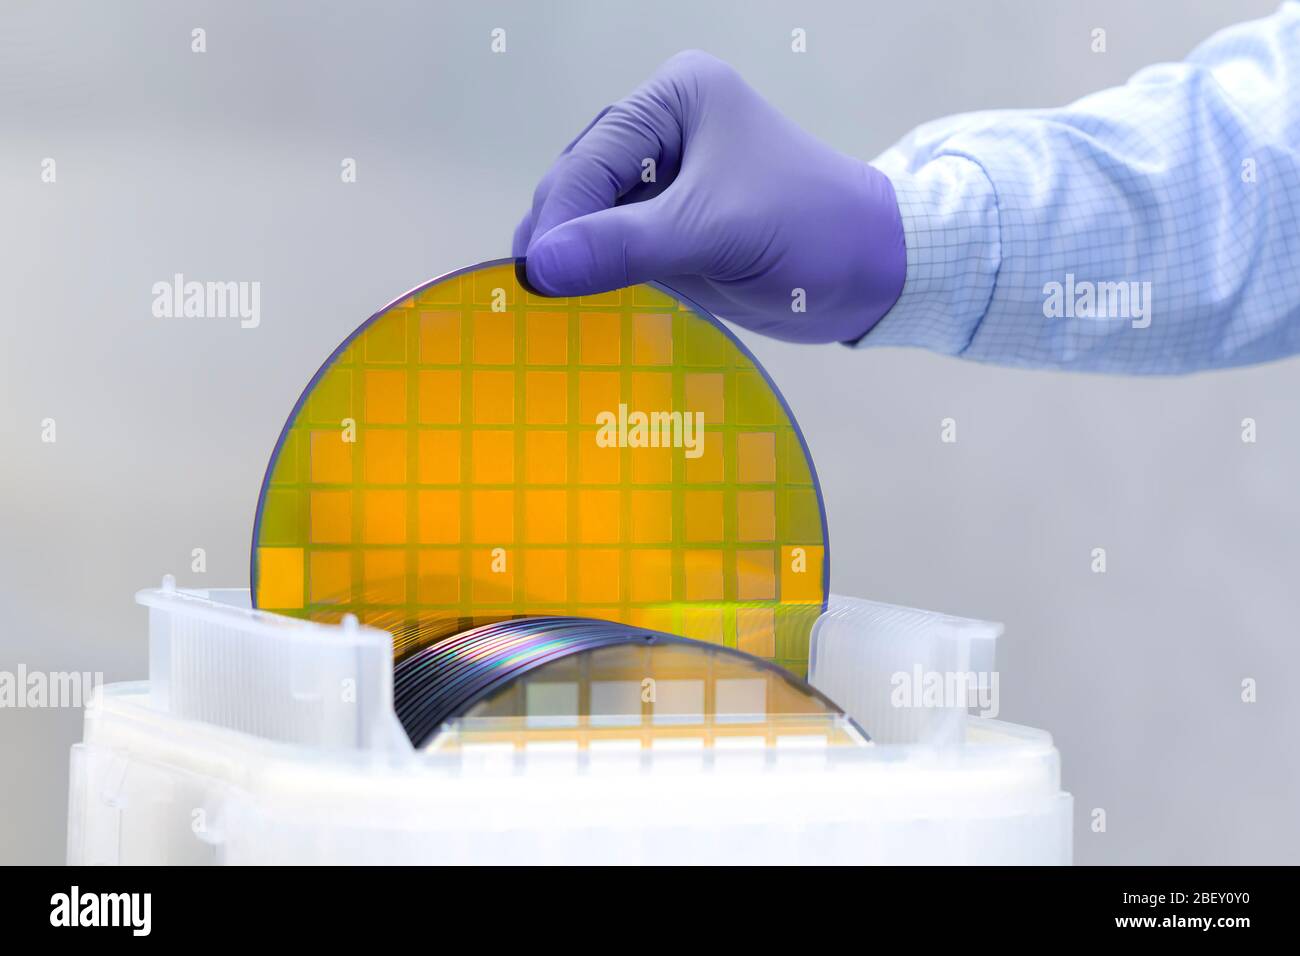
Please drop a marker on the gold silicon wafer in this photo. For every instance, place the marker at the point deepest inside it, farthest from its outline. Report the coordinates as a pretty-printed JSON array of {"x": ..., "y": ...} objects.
[{"x": 475, "y": 452}]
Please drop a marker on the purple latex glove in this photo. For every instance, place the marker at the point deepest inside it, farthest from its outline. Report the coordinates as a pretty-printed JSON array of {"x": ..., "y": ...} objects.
[{"x": 744, "y": 210}]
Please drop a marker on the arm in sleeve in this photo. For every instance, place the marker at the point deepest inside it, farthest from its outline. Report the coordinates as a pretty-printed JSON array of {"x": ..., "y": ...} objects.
[{"x": 1151, "y": 228}]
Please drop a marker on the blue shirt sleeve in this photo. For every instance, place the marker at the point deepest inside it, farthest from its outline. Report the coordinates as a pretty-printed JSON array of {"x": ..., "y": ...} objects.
[{"x": 1151, "y": 228}]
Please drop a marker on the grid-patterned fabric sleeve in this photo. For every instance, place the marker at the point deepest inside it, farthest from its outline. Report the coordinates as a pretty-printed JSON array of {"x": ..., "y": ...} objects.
[{"x": 1151, "y": 228}]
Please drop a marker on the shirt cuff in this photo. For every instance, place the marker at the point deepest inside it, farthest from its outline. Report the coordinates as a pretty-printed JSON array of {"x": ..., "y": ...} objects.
[{"x": 950, "y": 224}]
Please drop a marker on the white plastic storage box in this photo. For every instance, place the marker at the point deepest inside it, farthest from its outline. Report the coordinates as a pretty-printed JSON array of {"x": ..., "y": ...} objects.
[{"x": 264, "y": 739}]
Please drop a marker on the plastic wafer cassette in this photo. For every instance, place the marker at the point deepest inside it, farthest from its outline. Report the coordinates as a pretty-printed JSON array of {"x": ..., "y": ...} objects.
[{"x": 261, "y": 738}]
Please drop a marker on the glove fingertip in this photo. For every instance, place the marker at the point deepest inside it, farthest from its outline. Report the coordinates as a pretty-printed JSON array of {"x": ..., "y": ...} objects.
[
  {"x": 541, "y": 271},
  {"x": 521, "y": 276}
]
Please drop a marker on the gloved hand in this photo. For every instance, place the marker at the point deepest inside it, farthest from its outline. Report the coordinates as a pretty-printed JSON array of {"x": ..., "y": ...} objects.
[{"x": 744, "y": 210}]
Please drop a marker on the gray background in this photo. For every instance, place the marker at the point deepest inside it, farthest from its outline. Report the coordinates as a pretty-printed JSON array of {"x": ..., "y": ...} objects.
[{"x": 226, "y": 166}]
